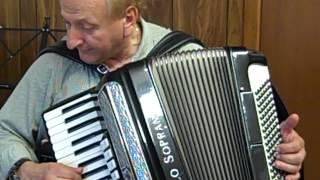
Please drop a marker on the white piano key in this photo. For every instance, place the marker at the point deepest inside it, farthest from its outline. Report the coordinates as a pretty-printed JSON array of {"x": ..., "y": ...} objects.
[
  {"x": 71, "y": 149},
  {"x": 71, "y": 164},
  {"x": 61, "y": 119},
  {"x": 78, "y": 134},
  {"x": 94, "y": 165},
  {"x": 71, "y": 159},
  {"x": 65, "y": 126},
  {"x": 108, "y": 154},
  {"x": 112, "y": 165},
  {"x": 115, "y": 175},
  {"x": 58, "y": 111},
  {"x": 89, "y": 157},
  {"x": 85, "y": 159},
  {"x": 105, "y": 143},
  {"x": 68, "y": 141}
]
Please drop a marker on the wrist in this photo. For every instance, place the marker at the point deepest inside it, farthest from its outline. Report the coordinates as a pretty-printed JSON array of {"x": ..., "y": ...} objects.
[
  {"x": 25, "y": 168},
  {"x": 14, "y": 171}
]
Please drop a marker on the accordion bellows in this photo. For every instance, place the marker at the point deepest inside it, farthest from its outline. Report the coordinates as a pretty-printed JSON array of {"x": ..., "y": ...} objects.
[{"x": 202, "y": 114}]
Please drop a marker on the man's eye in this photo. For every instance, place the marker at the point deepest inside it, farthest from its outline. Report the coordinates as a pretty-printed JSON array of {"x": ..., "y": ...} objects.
[{"x": 86, "y": 27}]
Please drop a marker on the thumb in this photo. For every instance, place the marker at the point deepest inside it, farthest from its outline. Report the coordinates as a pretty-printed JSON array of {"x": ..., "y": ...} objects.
[{"x": 289, "y": 124}]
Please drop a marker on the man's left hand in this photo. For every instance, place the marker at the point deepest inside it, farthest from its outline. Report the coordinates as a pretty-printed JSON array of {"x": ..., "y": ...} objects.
[{"x": 291, "y": 152}]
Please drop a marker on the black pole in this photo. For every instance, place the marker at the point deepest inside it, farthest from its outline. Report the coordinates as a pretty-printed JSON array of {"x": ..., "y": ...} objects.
[
  {"x": 44, "y": 32},
  {"x": 7, "y": 86}
]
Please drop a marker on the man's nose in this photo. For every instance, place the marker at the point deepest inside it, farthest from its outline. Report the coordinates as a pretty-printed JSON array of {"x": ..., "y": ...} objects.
[{"x": 74, "y": 39}]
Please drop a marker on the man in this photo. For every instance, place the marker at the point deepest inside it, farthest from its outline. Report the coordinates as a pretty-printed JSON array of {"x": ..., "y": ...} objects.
[{"x": 108, "y": 32}]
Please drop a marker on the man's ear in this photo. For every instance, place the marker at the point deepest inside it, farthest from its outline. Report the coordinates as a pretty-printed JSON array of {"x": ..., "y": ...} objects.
[{"x": 130, "y": 19}]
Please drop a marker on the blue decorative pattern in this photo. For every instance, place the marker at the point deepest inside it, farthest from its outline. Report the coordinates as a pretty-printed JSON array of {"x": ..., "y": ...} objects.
[{"x": 123, "y": 115}]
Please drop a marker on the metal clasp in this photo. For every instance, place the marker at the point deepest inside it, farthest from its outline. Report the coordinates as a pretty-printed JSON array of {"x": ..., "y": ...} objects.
[{"x": 103, "y": 69}]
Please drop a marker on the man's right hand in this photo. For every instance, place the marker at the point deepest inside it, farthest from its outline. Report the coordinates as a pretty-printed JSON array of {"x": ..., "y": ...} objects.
[{"x": 47, "y": 171}]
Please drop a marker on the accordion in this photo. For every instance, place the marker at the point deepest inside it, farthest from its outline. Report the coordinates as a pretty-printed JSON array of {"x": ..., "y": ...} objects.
[{"x": 201, "y": 114}]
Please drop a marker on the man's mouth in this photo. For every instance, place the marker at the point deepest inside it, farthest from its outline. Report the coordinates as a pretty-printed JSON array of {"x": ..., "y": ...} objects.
[{"x": 85, "y": 50}]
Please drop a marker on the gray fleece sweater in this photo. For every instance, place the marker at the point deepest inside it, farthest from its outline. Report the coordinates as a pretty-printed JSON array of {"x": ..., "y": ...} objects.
[{"x": 50, "y": 79}]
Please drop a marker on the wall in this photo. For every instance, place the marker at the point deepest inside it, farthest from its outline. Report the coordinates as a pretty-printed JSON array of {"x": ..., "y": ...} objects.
[
  {"x": 27, "y": 14},
  {"x": 286, "y": 31},
  {"x": 290, "y": 39},
  {"x": 219, "y": 23}
]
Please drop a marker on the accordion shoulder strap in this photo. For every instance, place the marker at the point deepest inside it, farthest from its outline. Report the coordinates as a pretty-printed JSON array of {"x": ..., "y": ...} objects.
[
  {"x": 169, "y": 43},
  {"x": 60, "y": 47},
  {"x": 172, "y": 42},
  {"x": 280, "y": 107}
]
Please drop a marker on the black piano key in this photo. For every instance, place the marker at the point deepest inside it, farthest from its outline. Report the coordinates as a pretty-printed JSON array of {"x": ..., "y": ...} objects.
[
  {"x": 83, "y": 150},
  {"x": 79, "y": 126},
  {"x": 97, "y": 170},
  {"x": 81, "y": 114},
  {"x": 85, "y": 138},
  {"x": 90, "y": 161}
]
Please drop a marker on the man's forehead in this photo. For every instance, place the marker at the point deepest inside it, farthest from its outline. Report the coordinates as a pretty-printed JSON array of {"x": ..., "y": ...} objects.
[
  {"x": 83, "y": 8},
  {"x": 77, "y": 5}
]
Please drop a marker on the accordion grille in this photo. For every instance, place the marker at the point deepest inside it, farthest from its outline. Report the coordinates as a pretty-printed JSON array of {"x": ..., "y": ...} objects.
[{"x": 198, "y": 94}]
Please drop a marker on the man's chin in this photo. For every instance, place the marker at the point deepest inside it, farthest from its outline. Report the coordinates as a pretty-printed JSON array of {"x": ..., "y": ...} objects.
[{"x": 89, "y": 59}]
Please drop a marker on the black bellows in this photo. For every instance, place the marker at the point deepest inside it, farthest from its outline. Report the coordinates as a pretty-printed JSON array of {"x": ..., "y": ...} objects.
[{"x": 202, "y": 107}]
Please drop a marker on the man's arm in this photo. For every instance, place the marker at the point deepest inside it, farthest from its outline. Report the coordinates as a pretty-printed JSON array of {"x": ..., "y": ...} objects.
[{"x": 21, "y": 114}]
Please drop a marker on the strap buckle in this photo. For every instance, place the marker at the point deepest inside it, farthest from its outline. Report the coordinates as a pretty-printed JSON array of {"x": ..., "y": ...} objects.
[{"x": 102, "y": 69}]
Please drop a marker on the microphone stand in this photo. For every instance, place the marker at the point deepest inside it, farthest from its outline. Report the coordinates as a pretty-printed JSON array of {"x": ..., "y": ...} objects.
[{"x": 45, "y": 33}]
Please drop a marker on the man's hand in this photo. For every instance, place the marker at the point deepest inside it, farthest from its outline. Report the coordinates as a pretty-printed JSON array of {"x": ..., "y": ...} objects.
[
  {"x": 291, "y": 152},
  {"x": 48, "y": 171}
]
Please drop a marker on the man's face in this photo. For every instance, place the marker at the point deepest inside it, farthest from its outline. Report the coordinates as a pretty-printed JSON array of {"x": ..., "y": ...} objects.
[{"x": 91, "y": 30}]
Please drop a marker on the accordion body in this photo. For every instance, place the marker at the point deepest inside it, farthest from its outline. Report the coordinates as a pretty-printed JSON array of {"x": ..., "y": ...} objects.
[{"x": 202, "y": 114}]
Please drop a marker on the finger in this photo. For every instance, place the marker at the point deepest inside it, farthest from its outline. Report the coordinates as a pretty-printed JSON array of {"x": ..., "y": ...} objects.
[
  {"x": 63, "y": 171},
  {"x": 79, "y": 170},
  {"x": 70, "y": 173},
  {"x": 294, "y": 159},
  {"x": 295, "y": 144},
  {"x": 289, "y": 168},
  {"x": 293, "y": 176},
  {"x": 289, "y": 124}
]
